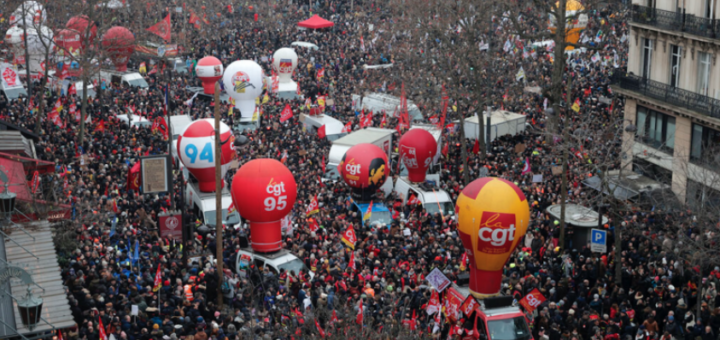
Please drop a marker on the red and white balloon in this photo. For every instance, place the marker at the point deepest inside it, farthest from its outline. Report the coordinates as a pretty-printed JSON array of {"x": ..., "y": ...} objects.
[
  {"x": 209, "y": 70},
  {"x": 196, "y": 148}
]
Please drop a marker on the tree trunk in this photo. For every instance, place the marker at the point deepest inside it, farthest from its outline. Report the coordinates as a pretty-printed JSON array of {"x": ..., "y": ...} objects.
[
  {"x": 618, "y": 252},
  {"x": 565, "y": 168},
  {"x": 27, "y": 55},
  {"x": 558, "y": 71},
  {"x": 83, "y": 110},
  {"x": 463, "y": 151}
]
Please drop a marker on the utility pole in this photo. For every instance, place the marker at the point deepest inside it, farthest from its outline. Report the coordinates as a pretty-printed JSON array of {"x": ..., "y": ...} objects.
[
  {"x": 564, "y": 179},
  {"x": 27, "y": 55},
  {"x": 218, "y": 199}
]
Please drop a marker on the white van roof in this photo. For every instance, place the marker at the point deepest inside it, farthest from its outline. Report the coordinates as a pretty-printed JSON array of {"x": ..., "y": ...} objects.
[
  {"x": 179, "y": 123},
  {"x": 305, "y": 44},
  {"x": 497, "y": 116},
  {"x": 208, "y": 203},
  {"x": 332, "y": 125},
  {"x": 368, "y": 135}
]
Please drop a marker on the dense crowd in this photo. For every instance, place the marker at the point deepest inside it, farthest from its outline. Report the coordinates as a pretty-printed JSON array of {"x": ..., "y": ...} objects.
[{"x": 103, "y": 280}]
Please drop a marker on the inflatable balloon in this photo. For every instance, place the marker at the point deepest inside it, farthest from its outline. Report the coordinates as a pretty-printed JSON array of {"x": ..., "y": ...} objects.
[
  {"x": 417, "y": 149},
  {"x": 365, "y": 168},
  {"x": 243, "y": 80},
  {"x": 493, "y": 215},
  {"x": 285, "y": 61},
  {"x": 119, "y": 42},
  {"x": 80, "y": 24},
  {"x": 38, "y": 39},
  {"x": 209, "y": 70},
  {"x": 34, "y": 13},
  {"x": 67, "y": 43},
  {"x": 264, "y": 191},
  {"x": 196, "y": 147}
]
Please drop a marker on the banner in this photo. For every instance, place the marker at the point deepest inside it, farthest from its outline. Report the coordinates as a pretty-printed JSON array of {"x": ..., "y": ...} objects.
[
  {"x": 452, "y": 303},
  {"x": 10, "y": 77},
  {"x": 532, "y": 300},
  {"x": 171, "y": 226}
]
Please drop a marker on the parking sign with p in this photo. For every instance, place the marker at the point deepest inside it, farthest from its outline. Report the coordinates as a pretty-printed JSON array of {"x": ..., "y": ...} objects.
[{"x": 598, "y": 241}]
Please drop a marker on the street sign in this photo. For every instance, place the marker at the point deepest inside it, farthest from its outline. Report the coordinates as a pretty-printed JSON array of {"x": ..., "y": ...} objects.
[{"x": 598, "y": 241}]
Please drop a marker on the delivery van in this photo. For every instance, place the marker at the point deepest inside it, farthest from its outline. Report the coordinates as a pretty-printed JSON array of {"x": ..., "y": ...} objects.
[
  {"x": 379, "y": 102},
  {"x": 246, "y": 259},
  {"x": 129, "y": 78},
  {"x": 204, "y": 207},
  {"x": 501, "y": 123},
  {"x": 380, "y": 213}
]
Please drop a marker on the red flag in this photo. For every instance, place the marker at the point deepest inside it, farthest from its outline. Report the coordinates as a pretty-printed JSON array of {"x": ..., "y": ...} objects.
[
  {"x": 74, "y": 111},
  {"x": 162, "y": 127},
  {"x": 321, "y": 132},
  {"x": 334, "y": 318},
  {"x": 158, "y": 279},
  {"x": 476, "y": 147},
  {"x": 352, "y": 261},
  {"x": 433, "y": 305},
  {"x": 445, "y": 149},
  {"x": 100, "y": 127},
  {"x": 313, "y": 207},
  {"x": 347, "y": 128},
  {"x": 366, "y": 120},
  {"x": 322, "y": 332},
  {"x": 72, "y": 90},
  {"x": 526, "y": 168},
  {"x": 115, "y": 207},
  {"x": 323, "y": 164},
  {"x": 313, "y": 225},
  {"x": 321, "y": 73},
  {"x": 35, "y": 182},
  {"x": 532, "y": 300},
  {"x": 133, "y": 181},
  {"x": 383, "y": 122},
  {"x": 193, "y": 18},
  {"x": 163, "y": 28},
  {"x": 359, "y": 318},
  {"x": 101, "y": 330},
  {"x": 444, "y": 103},
  {"x": 349, "y": 237},
  {"x": 286, "y": 114},
  {"x": 283, "y": 159}
]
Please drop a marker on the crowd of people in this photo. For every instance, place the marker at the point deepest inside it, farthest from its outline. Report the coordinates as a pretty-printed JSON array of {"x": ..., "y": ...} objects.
[{"x": 656, "y": 298}]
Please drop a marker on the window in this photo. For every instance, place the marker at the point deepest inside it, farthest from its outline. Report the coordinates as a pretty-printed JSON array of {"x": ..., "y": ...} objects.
[
  {"x": 708, "y": 8},
  {"x": 704, "y": 145},
  {"x": 646, "y": 57},
  {"x": 656, "y": 129},
  {"x": 701, "y": 196},
  {"x": 675, "y": 59},
  {"x": 703, "y": 73},
  {"x": 650, "y": 170}
]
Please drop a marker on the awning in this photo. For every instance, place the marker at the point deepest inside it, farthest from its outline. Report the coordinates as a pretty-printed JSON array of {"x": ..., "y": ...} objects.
[
  {"x": 316, "y": 22},
  {"x": 620, "y": 192},
  {"x": 45, "y": 271},
  {"x": 30, "y": 164},
  {"x": 16, "y": 178}
]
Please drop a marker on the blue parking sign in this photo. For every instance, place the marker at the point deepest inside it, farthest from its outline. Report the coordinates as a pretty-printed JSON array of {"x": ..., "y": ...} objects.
[{"x": 598, "y": 241}]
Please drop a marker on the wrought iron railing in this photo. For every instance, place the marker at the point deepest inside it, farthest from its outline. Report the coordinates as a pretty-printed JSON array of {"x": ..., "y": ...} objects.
[
  {"x": 672, "y": 95},
  {"x": 678, "y": 20}
]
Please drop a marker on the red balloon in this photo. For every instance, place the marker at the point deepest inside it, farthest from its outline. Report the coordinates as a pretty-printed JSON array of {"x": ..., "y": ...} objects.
[
  {"x": 80, "y": 24},
  {"x": 119, "y": 42},
  {"x": 68, "y": 42},
  {"x": 209, "y": 70},
  {"x": 417, "y": 149},
  {"x": 365, "y": 168},
  {"x": 264, "y": 191}
]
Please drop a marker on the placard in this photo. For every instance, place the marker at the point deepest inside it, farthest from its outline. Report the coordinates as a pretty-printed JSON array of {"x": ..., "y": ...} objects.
[
  {"x": 520, "y": 148},
  {"x": 171, "y": 225},
  {"x": 556, "y": 170},
  {"x": 537, "y": 178},
  {"x": 329, "y": 102},
  {"x": 134, "y": 310},
  {"x": 438, "y": 280},
  {"x": 155, "y": 171},
  {"x": 302, "y": 153}
]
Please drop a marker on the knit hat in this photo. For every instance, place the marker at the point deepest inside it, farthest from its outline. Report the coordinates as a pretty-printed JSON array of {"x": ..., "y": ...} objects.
[{"x": 156, "y": 326}]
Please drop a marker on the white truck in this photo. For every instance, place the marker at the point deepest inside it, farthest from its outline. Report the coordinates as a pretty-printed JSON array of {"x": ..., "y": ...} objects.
[
  {"x": 129, "y": 78},
  {"x": 432, "y": 198},
  {"x": 203, "y": 205},
  {"x": 501, "y": 123},
  {"x": 333, "y": 127},
  {"x": 380, "y": 137},
  {"x": 280, "y": 260},
  {"x": 377, "y": 102}
]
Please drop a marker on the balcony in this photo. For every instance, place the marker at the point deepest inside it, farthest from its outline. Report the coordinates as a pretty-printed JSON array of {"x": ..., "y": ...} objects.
[
  {"x": 676, "y": 21},
  {"x": 672, "y": 95}
]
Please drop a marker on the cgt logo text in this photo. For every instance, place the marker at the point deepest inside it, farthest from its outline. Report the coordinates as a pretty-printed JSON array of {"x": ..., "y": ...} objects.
[
  {"x": 352, "y": 168},
  {"x": 496, "y": 233},
  {"x": 276, "y": 189}
]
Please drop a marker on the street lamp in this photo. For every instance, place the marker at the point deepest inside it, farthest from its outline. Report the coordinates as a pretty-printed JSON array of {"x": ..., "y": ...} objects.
[{"x": 30, "y": 307}]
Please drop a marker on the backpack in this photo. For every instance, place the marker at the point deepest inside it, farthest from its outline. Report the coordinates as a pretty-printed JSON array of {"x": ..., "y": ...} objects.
[{"x": 226, "y": 288}]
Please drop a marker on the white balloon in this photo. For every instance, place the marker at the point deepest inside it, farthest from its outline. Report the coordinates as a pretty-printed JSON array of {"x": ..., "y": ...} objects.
[
  {"x": 243, "y": 81},
  {"x": 38, "y": 40},
  {"x": 35, "y": 14},
  {"x": 285, "y": 61}
]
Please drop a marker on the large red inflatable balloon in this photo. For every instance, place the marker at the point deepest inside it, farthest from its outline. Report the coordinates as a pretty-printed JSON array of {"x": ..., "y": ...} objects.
[
  {"x": 119, "y": 42},
  {"x": 417, "y": 149},
  {"x": 80, "y": 24},
  {"x": 209, "y": 70},
  {"x": 365, "y": 168},
  {"x": 196, "y": 148},
  {"x": 67, "y": 43},
  {"x": 264, "y": 191}
]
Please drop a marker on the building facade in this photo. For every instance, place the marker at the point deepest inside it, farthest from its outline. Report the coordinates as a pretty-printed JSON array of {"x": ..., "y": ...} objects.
[{"x": 672, "y": 92}]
